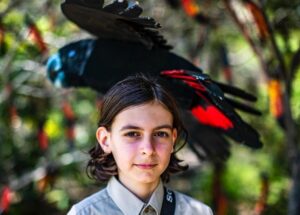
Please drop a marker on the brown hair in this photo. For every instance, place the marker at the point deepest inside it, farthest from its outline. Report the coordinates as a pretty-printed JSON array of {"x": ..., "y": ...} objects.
[{"x": 132, "y": 91}]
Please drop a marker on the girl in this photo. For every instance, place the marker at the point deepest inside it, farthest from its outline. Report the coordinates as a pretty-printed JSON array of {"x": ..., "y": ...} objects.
[{"x": 139, "y": 133}]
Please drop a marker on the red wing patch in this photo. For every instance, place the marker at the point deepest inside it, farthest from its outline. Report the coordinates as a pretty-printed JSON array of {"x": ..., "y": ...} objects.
[
  {"x": 207, "y": 114},
  {"x": 189, "y": 80},
  {"x": 211, "y": 116}
]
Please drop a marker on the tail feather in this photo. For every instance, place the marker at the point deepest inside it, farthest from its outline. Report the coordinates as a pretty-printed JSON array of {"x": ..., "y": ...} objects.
[
  {"x": 211, "y": 108},
  {"x": 205, "y": 142},
  {"x": 243, "y": 107},
  {"x": 236, "y": 92}
]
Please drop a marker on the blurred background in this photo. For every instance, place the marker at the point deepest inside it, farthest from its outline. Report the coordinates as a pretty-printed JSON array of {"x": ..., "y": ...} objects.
[{"x": 46, "y": 132}]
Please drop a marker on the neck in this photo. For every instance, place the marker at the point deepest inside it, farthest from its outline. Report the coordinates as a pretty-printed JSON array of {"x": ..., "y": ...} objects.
[{"x": 142, "y": 190}]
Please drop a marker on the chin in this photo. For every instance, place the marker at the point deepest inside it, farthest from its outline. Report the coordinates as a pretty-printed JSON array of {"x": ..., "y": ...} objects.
[{"x": 147, "y": 178}]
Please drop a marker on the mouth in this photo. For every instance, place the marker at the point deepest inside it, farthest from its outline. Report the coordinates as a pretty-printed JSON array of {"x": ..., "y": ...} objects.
[{"x": 145, "y": 166}]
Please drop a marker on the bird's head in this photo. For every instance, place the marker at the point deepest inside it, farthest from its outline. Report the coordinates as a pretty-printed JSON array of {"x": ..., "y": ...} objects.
[
  {"x": 66, "y": 67},
  {"x": 55, "y": 70}
]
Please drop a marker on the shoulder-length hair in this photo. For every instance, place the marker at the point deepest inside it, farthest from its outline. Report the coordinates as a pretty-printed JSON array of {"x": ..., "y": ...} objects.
[{"x": 132, "y": 91}]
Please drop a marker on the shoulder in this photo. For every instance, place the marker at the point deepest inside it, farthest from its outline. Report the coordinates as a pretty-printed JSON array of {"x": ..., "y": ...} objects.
[
  {"x": 188, "y": 205},
  {"x": 97, "y": 203}
]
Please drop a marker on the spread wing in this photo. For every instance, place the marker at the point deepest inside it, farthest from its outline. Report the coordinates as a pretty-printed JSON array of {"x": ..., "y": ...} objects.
[{"x": 119, "y": 20}]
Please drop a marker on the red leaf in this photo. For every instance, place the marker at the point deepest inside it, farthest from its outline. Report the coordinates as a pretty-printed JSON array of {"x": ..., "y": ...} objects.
[{"x": 5, "y": 199}]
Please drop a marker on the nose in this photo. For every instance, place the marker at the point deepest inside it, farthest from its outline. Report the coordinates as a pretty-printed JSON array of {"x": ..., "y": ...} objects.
[{"x": 147, "y": 146}]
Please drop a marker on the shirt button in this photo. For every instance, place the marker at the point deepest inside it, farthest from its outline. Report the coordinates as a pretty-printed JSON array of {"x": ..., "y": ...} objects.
[{"x": 149, "y": 210}]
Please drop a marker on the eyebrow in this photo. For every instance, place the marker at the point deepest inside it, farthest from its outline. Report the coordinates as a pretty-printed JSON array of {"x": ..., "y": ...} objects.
[{"x": 133, "y": 127}]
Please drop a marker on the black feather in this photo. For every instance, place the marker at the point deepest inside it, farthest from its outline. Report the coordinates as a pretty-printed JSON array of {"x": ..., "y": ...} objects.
[{"x": 123, "y": 23}]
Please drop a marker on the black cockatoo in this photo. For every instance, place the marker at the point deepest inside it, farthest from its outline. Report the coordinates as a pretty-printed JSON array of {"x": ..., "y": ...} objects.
[{"x": 127, "y": 44}]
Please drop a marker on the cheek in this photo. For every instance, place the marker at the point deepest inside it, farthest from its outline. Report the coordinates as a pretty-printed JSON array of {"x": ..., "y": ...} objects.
[
  {"x": 164, "y": 149},
  {"x": 123, "y": 153}
]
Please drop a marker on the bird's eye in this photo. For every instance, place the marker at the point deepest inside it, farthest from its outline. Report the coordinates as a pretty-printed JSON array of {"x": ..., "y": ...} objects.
[{"x": 71, "y": 53}]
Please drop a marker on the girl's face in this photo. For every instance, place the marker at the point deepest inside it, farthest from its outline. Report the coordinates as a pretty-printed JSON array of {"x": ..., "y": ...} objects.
[{"x": 141, "y": 140}]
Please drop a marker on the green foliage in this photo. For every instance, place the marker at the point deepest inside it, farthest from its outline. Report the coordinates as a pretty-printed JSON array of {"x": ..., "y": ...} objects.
[
  {"x": 59, "y": 197},
  {"x": 295, "y": 97}
]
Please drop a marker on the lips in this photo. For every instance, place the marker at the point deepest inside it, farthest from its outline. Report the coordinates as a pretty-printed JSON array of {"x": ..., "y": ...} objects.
[{"x": 145, "y": 166}]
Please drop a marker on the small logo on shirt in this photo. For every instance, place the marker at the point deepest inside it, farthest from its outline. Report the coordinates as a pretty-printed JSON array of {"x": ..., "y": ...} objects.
[{"x": 169, "y": 196}]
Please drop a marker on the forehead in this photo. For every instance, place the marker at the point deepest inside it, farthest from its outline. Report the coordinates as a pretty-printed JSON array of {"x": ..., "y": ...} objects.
[{"x": 150, "y": 114}]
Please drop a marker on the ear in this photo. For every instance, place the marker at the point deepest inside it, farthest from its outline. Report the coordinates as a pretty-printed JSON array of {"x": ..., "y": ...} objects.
[
  {"x": 103, "y": 137},
  {"x": 174, "y": 137}
]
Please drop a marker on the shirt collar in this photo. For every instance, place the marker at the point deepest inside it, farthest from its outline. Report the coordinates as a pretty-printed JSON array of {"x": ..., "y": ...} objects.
[
  {"x": 157, "y": 197},
  {"x": 128, "y": 202}
]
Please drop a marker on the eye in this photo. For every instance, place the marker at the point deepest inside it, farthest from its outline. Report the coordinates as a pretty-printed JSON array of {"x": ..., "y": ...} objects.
[
  {"x": 161, "y": 134},
  {"x": 132, "y": 134}
]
